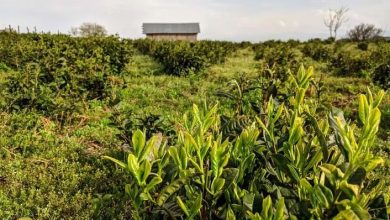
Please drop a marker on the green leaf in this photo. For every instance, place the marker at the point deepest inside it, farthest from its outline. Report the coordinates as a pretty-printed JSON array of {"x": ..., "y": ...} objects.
[
  {"x": 262, "y": 125},
  {"x": 190, "y": 142},
  {"x": 219, "y": 157},
  {"x": 183, "y": 158},
  {"x": 182, "y": 206},
  {"x": 244, "y": 165},
  {"x": 314, "y": 160},
  {"x": 217, "y": 185},
  {"x": 173, "y": 152},
  {"x": 374, "y": 163},
  {"x": 248, "y": 200},
  {"x": 133, "y": 165},
  {"x": 320, "y": 196},
  {"x": 300, "y": 96},
  {"x": 120, "y": 163},
  {"x": 144, "y": 196},
  {"x": 195, "y": 207},
  {"x": 328, "y": 193},
  {"x": 346, "y": 215},
  {"x": 352, "y": 211},
  {"x": 370, "y": 98},
  {"x": 230, "y": 214},
  {"x": 293, "y": 172},
  {"x": 350, "y": 189},
  {"x": 305, "y": 185},
  {"x": 196, "y": 113},
  {"x": 146, "y": 168},
  {"x": 278, "y": 113},
  {"x": 320, "y": 136},
  {"x": 138, "y": 141},
  {"x": 379, "y": 99},
  {"x": 279, "y": 215},
  {"x": 296, "y": 131},
  {"x": 363, "y": 105},
  {"x": 266, "y": 212},
  {"x": 147, "y": 149},
  {"x": 155, "y": 181},
  {"x": 169, "y": 190}
]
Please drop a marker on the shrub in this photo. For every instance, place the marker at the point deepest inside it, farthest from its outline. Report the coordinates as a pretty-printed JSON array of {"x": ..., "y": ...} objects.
[
  {"x": 317, "y": 51},
  {"x": 309, "y": 167},
  {"x": 362, "y": 46},
  {"x": 348, "y": 64},
  {"x": 182, "y": 58},
  {"x": 381, "y": 76},
  {"x": 279, "y": 57},
  {"x": 56, "y": 74}
]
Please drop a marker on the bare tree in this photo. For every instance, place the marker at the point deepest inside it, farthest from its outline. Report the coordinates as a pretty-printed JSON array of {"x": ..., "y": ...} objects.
[
  {"x": 334, "y": 19},
  {"x": 363, "y": 32},
  {"x": 74, "y": 31},
  {"x": 329, "y": 21},
  {"x": 88, "y": 29}
]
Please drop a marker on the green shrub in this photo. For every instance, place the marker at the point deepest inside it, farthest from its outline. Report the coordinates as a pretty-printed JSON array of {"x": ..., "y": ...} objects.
[
  {"x": 279, "y": 58},
  {"x": 312, "y": 168},
  {"x": 317, "y": 51},
  {"x": 381, "y": 76},
  {"x": 362, "y": 46},
  {"x": 56, "y": 74},
  {"x": 348, "y": 64},
  {"x": 182, "y": 58}
]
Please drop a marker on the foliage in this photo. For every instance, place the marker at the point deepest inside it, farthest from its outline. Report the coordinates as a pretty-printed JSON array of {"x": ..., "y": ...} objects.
[
  {"x": 381, "y": 76},
  {"x": 363, "y": 46},
  {"x": 280, "y": 57},
  {"x": 319, "y": 170},
  {"x": 183, "y": 58},
  {"x": 51, "y": 146},
  {"x": 317, "y": 51},
  {"x": 67, "y": 72},
  {"x": 351, "y": 64}
]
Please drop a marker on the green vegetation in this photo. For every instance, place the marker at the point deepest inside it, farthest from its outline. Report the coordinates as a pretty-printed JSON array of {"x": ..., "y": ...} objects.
[
  {"x": 232, "y": 137},
  {"x": 182, "y": 58}
]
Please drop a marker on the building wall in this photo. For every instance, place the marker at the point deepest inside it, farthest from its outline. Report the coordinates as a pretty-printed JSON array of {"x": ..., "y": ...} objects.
[{"x": 186, "y": 37}]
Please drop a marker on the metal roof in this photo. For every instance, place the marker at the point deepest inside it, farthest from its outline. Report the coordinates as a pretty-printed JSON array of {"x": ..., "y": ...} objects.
[{"x": 171, "y": 28}]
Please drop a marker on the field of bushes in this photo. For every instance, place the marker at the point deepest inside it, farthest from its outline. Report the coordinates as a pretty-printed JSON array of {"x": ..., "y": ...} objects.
[{"x": 110, "y": 128}]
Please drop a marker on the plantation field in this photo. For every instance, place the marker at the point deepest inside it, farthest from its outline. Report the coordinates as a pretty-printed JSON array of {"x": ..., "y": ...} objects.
[{"x": 106, "y": 128}]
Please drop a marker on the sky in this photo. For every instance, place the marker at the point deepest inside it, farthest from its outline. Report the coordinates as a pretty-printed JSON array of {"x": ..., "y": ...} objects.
[{"x": 236, "y": 20}]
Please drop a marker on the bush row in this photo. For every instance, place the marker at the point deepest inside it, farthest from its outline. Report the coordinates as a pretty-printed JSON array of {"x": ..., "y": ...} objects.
[
  {"x": 182, "y": 58},
  {"x": 55, "y": 73},
  {"x": 363, "y": 59}
]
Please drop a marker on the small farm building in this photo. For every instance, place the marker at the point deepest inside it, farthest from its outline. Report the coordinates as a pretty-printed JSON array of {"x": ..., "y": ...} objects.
[{"x": 171, "y": 31}]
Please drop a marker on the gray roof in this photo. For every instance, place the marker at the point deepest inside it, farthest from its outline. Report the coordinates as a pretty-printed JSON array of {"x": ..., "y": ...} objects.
[{"x": 171, "y": 28}]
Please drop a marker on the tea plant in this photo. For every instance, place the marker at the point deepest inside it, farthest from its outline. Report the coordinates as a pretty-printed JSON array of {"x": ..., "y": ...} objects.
[
  {"x": 310, "y": 167},
  {"x": 183, "y": 58}
]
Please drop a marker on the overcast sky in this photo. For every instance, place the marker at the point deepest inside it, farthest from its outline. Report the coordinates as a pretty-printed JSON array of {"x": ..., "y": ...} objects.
[{"x": 253, "y": 20}]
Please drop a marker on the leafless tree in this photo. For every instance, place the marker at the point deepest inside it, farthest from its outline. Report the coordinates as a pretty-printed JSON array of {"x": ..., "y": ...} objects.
[
  {"x": 363, "y": 32},
  {"x": 334, "y": 19},
  {"x": 74, "y": 31}
]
